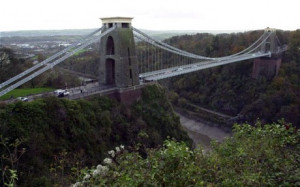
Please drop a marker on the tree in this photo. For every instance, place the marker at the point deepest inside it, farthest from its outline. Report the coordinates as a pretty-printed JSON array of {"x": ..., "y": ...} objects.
[
  {"x": 10, "y": 155},
  {"x": 294, "y": 43},
  {"x": 266, "y": 155}
]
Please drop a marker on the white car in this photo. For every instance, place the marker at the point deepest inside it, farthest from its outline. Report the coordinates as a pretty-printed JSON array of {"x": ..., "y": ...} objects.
[
  {"x": 179, "y": 69},
  {"x": 61, "y": 93},
  {"x": 25, "y": 99},
  {"x": 141, "y": 78},
  {"x": 57, "y": 92},
  {"x": 66, "y": 93}
]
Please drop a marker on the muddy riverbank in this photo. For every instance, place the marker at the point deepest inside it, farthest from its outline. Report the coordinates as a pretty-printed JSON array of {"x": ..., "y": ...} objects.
[{"x": 201, "y": 132}]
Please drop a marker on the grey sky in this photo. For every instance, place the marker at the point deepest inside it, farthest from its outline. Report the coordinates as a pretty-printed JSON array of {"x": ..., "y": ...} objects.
[{"x": 151, "y": 14}]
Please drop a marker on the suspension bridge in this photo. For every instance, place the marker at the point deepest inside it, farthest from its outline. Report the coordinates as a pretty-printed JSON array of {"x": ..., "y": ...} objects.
[{"x": 123, "y": 67}]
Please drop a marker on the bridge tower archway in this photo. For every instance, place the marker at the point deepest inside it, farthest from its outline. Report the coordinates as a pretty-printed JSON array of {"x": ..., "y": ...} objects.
[
  {"x": 268, "y": 66},
  {"x": 270, "y": 44},
  {"x": 110, "y": 71},
  {"x": 118, "y": 61},
  {"x": 110, "y": 46}
]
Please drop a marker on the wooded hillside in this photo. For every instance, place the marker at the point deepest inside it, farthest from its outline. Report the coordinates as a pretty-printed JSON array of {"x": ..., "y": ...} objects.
[{"x": 230, "y": 88}]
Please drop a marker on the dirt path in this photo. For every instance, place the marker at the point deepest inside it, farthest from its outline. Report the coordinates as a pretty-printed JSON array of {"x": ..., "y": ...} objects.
[{"x": 202, "y": 133}]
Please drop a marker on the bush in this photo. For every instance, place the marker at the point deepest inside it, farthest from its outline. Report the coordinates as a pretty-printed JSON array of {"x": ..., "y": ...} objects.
[
  {"x": 59, "y": 134},
  {"x": 254, "y": 156}
]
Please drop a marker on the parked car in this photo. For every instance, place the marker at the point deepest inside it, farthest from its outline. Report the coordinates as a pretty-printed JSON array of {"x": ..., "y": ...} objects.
[{"x": 25, "y": 99}]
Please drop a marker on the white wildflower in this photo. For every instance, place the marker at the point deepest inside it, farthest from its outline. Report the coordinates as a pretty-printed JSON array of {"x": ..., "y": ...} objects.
[
  {"x": 118, "y": 149},
  {"x": 111, "y": 153},
  {"x": 107, "y": 161},
  {"x": 96, "y": 172},
  {"x": 77, "y": 184},
  {"x": 102, "y": 169},
  {"x": 86, "y": 177},
  {"x": 116, "y": 173},
  {"x": 99, "y": 167},
  {"x": 122, "y": 146}
]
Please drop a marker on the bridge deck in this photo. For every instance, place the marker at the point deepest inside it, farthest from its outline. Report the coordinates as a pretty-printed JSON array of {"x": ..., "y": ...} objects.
[{"x": 179, "y": 70}]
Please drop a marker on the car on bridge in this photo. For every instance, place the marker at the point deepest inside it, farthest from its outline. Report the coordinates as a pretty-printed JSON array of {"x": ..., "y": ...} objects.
[{"x": 179, "y": 69}]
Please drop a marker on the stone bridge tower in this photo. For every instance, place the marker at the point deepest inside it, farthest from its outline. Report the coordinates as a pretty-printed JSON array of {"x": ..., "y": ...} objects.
[
  {"x": 118, "y": 61},
  {"x": 270, "y": 44},
  {"x": 268, "y": 66}
]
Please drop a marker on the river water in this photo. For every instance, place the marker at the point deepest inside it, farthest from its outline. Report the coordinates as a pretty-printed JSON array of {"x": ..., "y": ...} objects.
[{"x": 202, "y": 133}]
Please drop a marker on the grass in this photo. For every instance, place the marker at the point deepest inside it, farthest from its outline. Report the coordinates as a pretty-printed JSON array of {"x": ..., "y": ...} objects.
[
  {"x": 25, "y": 92},
  {"x": 79, "y": 52}
]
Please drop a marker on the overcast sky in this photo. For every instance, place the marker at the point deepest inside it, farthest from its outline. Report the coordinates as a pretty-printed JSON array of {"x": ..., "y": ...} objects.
[{"x": 151, "y": 14}]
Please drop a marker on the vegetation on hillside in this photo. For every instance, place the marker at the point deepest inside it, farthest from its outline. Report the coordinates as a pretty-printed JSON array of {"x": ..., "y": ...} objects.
[
  {"x": 10, "y": 66},
  {"x": 48, "y": 141},
  {"x": 230, "y": 89},
  {"x": 86, "y": 62},
  {"x": 266, "y": 155}
]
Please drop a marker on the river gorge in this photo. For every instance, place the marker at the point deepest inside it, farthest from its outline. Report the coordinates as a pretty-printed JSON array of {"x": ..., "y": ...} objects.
[{"x": 202, "y": 133}]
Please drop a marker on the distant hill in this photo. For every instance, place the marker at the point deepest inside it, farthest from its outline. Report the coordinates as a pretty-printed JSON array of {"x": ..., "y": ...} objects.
[
  {"x": 161, "y": 35},
  {"x": 33, "y": 33}
]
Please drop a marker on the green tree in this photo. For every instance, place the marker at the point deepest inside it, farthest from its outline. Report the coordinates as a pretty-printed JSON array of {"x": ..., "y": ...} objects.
[{"x": 266, "y": 155}]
